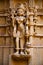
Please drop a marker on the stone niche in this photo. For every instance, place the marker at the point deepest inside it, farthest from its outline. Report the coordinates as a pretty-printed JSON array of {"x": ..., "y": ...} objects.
[{"x": 19, "y": 57}]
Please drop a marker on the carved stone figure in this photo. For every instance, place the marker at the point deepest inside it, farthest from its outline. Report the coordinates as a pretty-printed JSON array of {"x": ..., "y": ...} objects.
[
  {"x": 19, "y": 28},
  {"x": 20, "y": 21}
]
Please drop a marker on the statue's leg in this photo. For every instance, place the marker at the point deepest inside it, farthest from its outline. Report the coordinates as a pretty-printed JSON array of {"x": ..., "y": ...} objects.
[
  {"x": 22, "y": 38},
  {"x": 22, "y": 45},
  {"x": 17, "y": 45}
]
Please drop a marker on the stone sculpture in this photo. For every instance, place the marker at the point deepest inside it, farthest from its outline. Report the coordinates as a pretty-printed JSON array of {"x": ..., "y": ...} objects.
[{"x": 21, "y": 27}]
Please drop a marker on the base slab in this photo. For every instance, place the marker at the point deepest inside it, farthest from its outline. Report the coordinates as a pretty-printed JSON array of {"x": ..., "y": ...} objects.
[{"x": 18, "y": 59}]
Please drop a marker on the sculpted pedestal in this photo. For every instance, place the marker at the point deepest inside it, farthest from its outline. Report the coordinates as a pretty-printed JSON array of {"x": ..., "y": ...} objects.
[{"x": 19, "y": 59}]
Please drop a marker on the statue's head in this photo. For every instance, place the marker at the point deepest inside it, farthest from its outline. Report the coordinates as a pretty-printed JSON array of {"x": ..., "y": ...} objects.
[{"x": 21, "y": 10}]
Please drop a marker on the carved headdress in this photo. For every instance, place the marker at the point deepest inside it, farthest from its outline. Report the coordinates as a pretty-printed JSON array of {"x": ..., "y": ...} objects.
[{"x": 21, "y": 9}]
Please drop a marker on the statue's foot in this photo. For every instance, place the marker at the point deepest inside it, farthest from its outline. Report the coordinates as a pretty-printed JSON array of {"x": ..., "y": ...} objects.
[
  {"x": 22, "y": 53},
  {"x": 16, "y": 53}
]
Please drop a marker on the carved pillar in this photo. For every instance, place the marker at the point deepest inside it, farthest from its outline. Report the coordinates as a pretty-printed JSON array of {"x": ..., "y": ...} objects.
[
  {"x": 11, "y": 3},
  {"x": 31, "y": 26},
  {"x": 35, "y": 17},
  {"x": 31, "y": 3}
]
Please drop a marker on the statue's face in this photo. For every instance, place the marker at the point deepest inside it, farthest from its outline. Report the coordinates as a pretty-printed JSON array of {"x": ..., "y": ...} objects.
[{"x": 20, "y": 12}]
